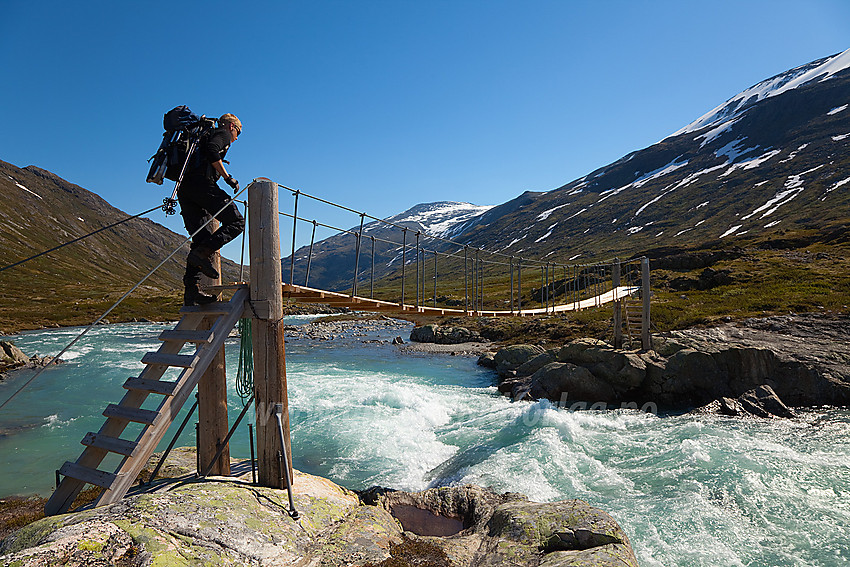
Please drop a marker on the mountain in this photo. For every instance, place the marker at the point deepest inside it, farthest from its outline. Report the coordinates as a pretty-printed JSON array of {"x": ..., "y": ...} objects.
[
  {"x": 769, "y": 164},
  {"x": 75, "y": 284},
  {"x": 332, "y": 265},
  {"x": 772, "y": 159}
]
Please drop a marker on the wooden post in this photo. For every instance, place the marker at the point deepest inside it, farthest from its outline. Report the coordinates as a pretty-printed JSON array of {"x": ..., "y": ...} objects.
[
  {"x": 618, "y": 305},
  {"x": 269, "y": 355},
  {"x": 645, "y": 337},
  {"x": 212, "y": 397}
]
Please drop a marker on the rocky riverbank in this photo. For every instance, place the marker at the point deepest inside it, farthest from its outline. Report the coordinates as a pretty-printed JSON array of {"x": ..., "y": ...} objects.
[
  {"x": 802, "y": 359},
  {"x": 12, "y": 358},
  {"x": 229, "y": 521}
]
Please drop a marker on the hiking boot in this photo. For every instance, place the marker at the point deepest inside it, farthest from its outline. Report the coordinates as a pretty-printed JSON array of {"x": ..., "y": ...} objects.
[
  {"x": 200, "y": 258},
  {"x": 194, "y": 296}
]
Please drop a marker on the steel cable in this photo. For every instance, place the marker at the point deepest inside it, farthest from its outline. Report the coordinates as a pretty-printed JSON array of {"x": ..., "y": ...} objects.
[
  {"x": 80, "y": 238},
  {"x": 114, "y": 305}
]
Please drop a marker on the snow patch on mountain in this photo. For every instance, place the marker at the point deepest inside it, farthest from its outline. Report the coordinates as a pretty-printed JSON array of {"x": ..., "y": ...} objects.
[
  {"x": 820, "y": 70},
  {"x": 27, "y": 190},
  {"x": 751, "y": 163},
  {"x": 836, "y": 110},
  {"x": 545, "y": 214},
  {"x": 645, "y": 178},
  {"x": 441, "y": 218},
  {"x": 733, "y": 150}
]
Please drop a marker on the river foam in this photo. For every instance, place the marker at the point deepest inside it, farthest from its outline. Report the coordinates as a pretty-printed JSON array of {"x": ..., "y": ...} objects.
[{"x": 689, "y": 490}]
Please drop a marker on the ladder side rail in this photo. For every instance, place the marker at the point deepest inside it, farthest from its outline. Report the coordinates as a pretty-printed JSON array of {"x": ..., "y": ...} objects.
[
  {"x": 129, "y": 468},
  {"x": 91, "y": 457}
]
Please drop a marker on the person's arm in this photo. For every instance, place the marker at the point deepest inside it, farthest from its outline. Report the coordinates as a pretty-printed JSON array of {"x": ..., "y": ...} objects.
[{"x": 219, "y": 167}]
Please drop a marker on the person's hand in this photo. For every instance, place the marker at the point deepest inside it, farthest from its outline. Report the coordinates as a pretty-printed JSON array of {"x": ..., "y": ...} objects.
[{"x": 230, "y": 180}]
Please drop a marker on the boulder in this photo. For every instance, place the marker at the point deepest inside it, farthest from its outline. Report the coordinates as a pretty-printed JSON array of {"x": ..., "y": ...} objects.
[
  {"x": 443, "y": 335},
  {"x": 759, "y": 402},
  {"x": 559, "y": 381},
  {"x": 764, "y": 402},
  {"x": 11, "y": 356},
  {"x": 581, "y": 351},
  {"x": 228, "y": 521},
  {"x": 529, "y": 367},
  {"x": 424, "y": 334},
  {"x": 487, "y": 360},
  {"x": 509, "y": 358}
]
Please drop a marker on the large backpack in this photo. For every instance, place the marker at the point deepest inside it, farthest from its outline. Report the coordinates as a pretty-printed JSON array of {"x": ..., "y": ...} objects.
[{"x": 183, "y": 131}]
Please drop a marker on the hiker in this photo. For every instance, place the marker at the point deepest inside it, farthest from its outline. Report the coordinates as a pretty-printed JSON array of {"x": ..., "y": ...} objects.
[{"x": 200, "y": 198}]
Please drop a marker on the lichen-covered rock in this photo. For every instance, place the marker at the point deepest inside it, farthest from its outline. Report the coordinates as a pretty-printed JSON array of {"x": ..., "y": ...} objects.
[{"x": 228, "y": 521}]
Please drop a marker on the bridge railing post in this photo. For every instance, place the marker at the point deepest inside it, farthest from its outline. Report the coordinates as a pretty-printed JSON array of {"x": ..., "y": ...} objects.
[
  {"x": 357, "y": 256},
  {"x": 294, "y": 229},
  {"x": 519, "y": 286},
  {"x": 269, "y": 356},
  {"x": 645, "y": 337},
  {"x": 403, "y": 261},
  {"x": 618, "y": 312}
]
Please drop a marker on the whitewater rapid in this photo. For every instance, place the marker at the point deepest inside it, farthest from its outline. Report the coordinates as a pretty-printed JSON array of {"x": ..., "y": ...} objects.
[{"x": 688, "y": 490}]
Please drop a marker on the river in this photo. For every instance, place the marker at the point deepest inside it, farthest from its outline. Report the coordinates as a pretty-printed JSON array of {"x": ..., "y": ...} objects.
[{"x": 688, "y": 490}]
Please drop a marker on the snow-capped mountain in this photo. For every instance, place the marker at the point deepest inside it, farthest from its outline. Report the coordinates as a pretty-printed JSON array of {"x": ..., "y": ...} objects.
[
  {"x": 820, "y": 70},
  {"x": 332, "y": 266},
  {"x": 770, "y": 163},
  {"x": 772, "y": 159},
  {"x": 442, "y": 219}
]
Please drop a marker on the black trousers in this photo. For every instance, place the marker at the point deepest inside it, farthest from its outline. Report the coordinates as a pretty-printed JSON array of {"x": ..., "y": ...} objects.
[{"x": 201, "y": 198}]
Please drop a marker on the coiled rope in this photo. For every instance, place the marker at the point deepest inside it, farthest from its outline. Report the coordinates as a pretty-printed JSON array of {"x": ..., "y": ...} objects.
[{"x": 245, "y": 371}]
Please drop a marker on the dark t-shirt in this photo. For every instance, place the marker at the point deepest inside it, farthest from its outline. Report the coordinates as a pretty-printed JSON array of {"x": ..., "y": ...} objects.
[{"x": 213, "y": 147}]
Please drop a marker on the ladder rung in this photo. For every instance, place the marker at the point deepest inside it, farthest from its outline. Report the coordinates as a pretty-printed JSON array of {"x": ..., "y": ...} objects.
[
  {"x": 152, "y": 386},
  {"x": 137, "y": 415},
  {"x": 111, "y": 444},
  {"x": 86, "y": 474},
  {"x": 180, "y": 360},
  {"x": 187, "y": 336},
  {"x": 217, "y": 308}
]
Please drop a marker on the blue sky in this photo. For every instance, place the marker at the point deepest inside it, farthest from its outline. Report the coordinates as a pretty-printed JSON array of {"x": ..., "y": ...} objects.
[{"x": 380, "y": 105}]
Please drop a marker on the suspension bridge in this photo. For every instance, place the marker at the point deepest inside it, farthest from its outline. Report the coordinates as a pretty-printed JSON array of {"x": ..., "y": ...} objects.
[{"x": 471, "y": 281}]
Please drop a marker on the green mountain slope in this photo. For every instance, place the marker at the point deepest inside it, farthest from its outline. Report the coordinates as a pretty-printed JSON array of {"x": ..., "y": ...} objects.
[{"x": 77, "y": 283}]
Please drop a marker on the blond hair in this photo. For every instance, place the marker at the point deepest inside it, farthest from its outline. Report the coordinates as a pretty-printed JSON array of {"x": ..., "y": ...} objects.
[{"x": 230, "y": 119}]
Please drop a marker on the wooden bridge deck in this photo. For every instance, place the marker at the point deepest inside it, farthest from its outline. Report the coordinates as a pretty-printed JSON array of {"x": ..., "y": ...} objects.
[{"x": 302, "y": 294}]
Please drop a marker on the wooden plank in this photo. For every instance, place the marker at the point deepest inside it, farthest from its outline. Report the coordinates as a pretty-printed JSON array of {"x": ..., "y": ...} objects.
[
  {"x": 151, "y": 386},
  {"x": 111, "y": 444},
  {"x": 136, "y": 415},
  {"x": 179, "y": 360},
  {"x": 87, "y": 475},
  {"x": 217, "y": 308},
  {"x": 187, "y": 336}
]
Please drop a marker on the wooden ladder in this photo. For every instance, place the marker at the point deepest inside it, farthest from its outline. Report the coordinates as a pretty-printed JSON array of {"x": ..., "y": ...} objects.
[
  {"x": 633, "y": 311},
  {"x": 155, "y": 422}
]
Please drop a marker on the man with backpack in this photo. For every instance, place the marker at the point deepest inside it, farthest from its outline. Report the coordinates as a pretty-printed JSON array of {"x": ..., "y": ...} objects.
[{"x": 200, "y": 198}]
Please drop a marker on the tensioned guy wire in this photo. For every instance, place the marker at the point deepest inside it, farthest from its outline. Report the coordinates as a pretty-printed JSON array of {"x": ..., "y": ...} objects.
[
  {"x": 114, "y": 305},
  {"x": 80, "y": 238}
]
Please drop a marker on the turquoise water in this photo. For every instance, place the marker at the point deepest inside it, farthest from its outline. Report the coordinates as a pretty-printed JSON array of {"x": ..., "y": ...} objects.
[{"x": 710, "y": 491}]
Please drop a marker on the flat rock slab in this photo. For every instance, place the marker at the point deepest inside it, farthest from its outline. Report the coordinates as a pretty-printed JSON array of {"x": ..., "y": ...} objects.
[{"x": 228, "y": 521}]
